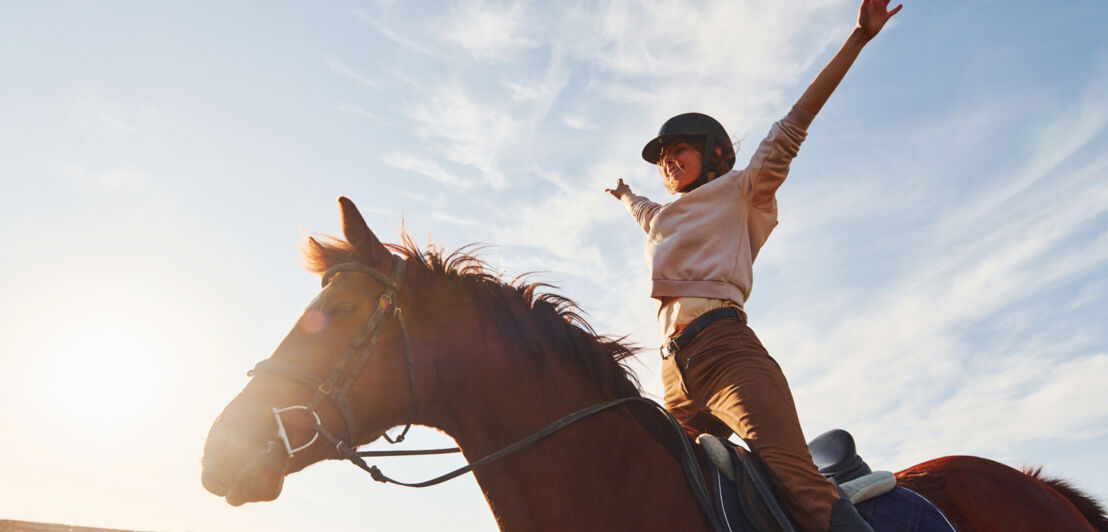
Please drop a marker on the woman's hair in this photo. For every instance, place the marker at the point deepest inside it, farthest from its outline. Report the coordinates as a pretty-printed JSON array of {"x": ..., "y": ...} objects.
[{"x": 721, "y": 162}]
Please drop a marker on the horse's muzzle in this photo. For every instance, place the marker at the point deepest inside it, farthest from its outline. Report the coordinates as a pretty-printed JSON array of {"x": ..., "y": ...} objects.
[{"x": 241, "y": 473}]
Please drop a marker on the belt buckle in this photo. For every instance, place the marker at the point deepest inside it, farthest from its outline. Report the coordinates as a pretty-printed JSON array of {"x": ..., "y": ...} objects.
[{"x": 669, "y": 348}]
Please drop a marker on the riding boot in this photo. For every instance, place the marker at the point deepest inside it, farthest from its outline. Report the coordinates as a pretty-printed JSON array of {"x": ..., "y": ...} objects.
[{"x": 845, "y": 518}]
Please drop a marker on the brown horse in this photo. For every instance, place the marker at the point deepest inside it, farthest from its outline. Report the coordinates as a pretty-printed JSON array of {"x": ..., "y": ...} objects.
[{"x": 489, "y": 363}]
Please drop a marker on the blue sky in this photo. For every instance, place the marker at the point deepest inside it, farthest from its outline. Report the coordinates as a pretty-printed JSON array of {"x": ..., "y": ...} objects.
[{"x": 937, "y": 284}]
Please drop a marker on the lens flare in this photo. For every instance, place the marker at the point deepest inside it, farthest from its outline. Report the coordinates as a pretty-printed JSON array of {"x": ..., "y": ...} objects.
[{"x": 312, "y": 321}]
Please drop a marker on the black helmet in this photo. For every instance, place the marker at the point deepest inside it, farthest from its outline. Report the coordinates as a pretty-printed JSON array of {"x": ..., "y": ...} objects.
[{"x": 695, "y": 125}]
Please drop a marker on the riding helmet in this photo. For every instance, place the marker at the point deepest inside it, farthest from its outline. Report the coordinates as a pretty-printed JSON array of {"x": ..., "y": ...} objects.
[{"x": 693, "y": 125}]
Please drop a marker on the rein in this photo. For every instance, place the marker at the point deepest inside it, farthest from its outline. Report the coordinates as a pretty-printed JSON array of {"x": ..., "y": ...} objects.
[
  {"x": 688, "y": 459},
  {"x": 362, "y": 347}
]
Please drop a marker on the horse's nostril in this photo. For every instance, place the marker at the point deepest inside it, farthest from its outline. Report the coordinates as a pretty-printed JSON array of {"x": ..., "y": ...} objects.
[
  {"x": 213, "y": 479},
  {"x": 216, "y": 470}
]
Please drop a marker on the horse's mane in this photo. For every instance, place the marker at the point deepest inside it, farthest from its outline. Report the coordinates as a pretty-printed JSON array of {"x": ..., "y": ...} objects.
[
  {"x": 524, "y": 310},
  {"x": 1085, "y": 503}
]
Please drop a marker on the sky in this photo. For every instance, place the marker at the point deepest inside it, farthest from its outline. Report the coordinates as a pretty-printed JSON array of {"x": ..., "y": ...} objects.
[{"x": 937, "y": 285}]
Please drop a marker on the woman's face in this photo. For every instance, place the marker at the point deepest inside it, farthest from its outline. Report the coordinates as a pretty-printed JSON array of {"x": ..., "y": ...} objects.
[{"x": 679, "y": 166}]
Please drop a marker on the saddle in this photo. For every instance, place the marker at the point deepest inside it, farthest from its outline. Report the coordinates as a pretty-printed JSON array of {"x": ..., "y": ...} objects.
[{"x": 746, "y": 501}]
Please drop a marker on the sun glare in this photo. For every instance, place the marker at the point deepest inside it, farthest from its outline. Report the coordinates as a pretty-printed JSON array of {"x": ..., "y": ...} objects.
[{"x": 107, "y": 373}]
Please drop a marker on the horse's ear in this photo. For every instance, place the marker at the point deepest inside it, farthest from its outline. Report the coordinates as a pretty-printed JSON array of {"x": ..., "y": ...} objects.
[{"x": 358, "y": 234}]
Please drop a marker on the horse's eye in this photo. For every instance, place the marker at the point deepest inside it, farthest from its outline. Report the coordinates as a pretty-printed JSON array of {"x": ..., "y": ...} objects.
[{"x": 343, "y": 309}]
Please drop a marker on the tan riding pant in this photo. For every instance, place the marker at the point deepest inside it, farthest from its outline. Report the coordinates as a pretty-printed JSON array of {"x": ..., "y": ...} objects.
[{"x": 725, "y": 374}]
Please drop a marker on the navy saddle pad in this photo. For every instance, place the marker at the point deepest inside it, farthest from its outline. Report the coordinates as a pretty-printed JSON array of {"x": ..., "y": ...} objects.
[{"x": 740, "y": 504}]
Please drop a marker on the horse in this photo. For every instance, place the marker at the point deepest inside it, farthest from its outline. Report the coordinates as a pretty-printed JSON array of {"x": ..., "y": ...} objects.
[{"x": 488, "y": 362}]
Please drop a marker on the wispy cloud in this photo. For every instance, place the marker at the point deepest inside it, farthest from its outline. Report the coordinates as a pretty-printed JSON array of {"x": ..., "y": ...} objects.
[
  {"x": 579, "y": 122},
  {"x": 558, "y": 225},
  {"x": 732, "y": 66},
  {"x": 383, "y": 29},
  {"x": 1027, "y": 398},
  {"x": 561, "y": 225},
  {"x": 487, "y": 31},
  {"x": 355, "y": 110},
  {"x": 339, "y": 67},
  {"x": 533, "y": 98},
  {"x": 464, "y": 130},
  {"x": 102, "y": 138},
  {"x": 426, "y": 167},
  {"x": 1069, "y": 132},
  {"x": 455, "y": 220}
]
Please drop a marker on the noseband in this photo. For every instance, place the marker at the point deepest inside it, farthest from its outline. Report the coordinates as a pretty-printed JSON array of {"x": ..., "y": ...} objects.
[{"x": 337, "y": 385}]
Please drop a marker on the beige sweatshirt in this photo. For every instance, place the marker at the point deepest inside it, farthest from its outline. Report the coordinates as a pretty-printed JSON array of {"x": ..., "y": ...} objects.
[{"x": 703, "y": 244}]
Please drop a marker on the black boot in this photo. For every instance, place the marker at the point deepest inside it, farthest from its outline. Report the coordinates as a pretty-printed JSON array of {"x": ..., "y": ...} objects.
[{"x": 845, "y": 518}]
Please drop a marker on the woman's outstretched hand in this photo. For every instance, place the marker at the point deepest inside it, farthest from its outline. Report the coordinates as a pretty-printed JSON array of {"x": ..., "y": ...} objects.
[
  {"x": 619, "y": 191},
  {"x": 873, "y": 15}
]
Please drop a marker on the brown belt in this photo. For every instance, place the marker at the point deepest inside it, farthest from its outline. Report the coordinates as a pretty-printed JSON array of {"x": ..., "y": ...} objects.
[{"x": 685, "y": 337}]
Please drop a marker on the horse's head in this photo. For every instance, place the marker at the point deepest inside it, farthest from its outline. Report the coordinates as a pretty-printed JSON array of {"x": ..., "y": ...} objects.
[
  {"x": 344, "y": 366},
  {"x": 429, "y": 339}
]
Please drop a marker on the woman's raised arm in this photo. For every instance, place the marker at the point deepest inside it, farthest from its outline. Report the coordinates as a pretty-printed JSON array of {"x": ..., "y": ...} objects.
[{"x": 872, "y": 16}]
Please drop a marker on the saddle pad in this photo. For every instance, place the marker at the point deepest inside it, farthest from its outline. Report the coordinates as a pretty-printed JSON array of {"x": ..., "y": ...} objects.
[
  {"x": 741, "y": 508},
  {"x": 725, "y": 499},
  {"x": 900, "y": 510},
  {"x": 903, "y": 510}
]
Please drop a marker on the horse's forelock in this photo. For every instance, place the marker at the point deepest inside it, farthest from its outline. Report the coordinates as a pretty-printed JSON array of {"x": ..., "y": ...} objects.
[{"x": 320, "y": 252}]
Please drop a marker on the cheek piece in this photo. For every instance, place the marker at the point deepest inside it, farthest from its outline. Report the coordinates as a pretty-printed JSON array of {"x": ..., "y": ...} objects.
[{"x": 336, "y": 387}]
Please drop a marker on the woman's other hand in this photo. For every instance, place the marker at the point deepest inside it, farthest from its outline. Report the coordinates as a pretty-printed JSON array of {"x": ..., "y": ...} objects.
[
  {"x": 873, "y": 15},
  {"x": 619, "y": 191}
]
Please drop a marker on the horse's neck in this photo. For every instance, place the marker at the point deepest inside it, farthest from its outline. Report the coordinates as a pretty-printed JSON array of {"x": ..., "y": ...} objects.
[{"x": 602, "y": 473}]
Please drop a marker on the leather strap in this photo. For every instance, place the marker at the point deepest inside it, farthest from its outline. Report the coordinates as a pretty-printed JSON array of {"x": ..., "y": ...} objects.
[{"x": 685, "y": 337}]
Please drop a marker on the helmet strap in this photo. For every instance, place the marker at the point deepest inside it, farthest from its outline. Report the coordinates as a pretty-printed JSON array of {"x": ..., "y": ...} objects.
[{"x": 707, "y": 166}]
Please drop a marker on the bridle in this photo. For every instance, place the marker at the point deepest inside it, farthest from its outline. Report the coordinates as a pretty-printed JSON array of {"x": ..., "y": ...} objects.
[{"x": 347, "y": 370}]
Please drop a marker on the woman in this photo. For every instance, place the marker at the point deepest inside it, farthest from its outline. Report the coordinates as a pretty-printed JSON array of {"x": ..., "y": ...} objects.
[{"x": 701, "y": 248}]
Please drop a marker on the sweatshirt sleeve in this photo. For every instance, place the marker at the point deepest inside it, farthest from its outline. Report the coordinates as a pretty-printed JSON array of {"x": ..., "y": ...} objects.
[
  {"x": 770, "y": 164},
  {"x": 642, "y": 209}
]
